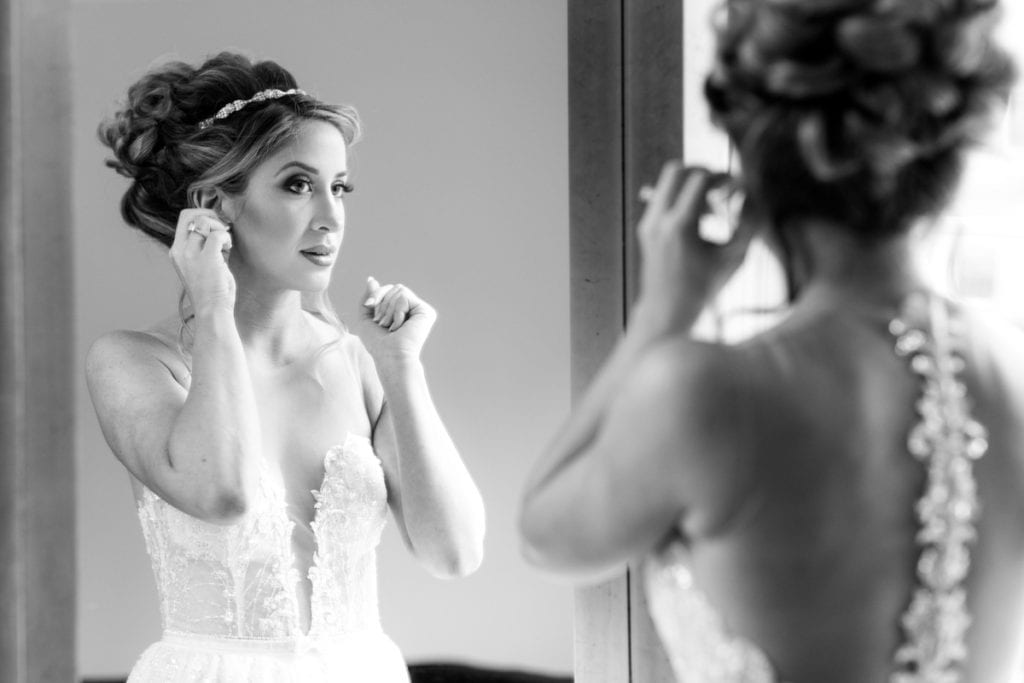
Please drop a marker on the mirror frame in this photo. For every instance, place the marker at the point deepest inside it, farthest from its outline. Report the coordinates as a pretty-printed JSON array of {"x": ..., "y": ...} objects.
[{"x": 625, "y": 120}]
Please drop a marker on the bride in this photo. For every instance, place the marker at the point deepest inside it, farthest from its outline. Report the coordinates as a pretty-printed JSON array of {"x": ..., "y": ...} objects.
[
  {"x": 264, "y": 440},
  {"x": 841, "y": 497}
]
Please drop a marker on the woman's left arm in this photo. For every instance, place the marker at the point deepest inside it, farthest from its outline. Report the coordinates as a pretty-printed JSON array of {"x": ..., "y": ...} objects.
[{"x": 436, "y": 504}]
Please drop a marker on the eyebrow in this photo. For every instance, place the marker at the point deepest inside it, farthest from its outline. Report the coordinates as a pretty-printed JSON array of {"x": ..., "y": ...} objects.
[{"x": 305, "y": 167}]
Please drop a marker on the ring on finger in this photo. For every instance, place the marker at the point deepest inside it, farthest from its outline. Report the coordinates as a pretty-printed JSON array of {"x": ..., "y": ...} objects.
[{"x": 191, "y": 226}]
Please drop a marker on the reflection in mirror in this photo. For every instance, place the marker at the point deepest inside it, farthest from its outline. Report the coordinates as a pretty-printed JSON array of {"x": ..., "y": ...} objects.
[
  {"x": 980, "y": 270},
  {"x": 461, "y": 193}
]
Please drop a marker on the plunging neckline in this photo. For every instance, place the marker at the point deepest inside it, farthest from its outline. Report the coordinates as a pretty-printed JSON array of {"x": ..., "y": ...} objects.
[
  {"x": 351, "y": 443},
  {"x": 352, "y": 491}
]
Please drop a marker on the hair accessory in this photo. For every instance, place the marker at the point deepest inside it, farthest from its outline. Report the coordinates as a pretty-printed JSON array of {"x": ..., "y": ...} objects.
[{"x": 231, "y": 107}]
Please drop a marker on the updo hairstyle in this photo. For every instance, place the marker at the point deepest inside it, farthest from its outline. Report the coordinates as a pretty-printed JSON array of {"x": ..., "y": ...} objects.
[
  {"x": 158, "y": 144},
  {"x": 855, "y": 111}
]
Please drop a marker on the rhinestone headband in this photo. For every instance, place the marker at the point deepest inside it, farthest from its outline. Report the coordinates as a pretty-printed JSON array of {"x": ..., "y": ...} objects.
[{"x": 231, "y": 107}]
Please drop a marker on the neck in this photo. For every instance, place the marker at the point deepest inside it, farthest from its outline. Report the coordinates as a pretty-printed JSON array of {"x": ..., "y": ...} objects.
[
  {"x": 830, "y": 266},
  {"x": 272, "y": 324}
]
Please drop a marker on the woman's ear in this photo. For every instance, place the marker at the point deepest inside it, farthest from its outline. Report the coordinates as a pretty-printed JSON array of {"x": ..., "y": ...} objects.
[
  {"x": 208, "y": 198},
  {"x": 217, "y": 200}
]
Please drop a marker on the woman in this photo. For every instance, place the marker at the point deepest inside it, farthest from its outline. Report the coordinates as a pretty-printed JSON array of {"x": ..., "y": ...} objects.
[
  {"x": 812, "y": 504},
  {"x": 264, "y": 441}
]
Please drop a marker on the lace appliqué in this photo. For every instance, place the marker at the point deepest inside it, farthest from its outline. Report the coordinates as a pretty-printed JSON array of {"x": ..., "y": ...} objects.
[
  {"x": 351, "y": 510},
  {"x": 239, "y": 580},
  {"x": 699, "y": 645},
  {"x": 222, "y": 580},
  {"x": 946, "y": 440}
]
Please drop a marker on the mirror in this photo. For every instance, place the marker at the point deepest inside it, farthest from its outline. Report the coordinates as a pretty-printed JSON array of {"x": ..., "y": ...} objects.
[{"x": 462, "y": 193}]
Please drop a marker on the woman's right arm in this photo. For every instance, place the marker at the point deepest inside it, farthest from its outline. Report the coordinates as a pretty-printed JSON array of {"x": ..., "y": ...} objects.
[{"x": 197, "y": 449}]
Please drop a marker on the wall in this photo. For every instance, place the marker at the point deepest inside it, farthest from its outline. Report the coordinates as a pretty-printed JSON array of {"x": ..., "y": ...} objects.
[{"x": 461, "y": 193}]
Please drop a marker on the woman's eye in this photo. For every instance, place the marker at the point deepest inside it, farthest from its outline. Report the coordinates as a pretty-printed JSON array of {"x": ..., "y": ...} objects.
[
  {"x": 300, "y": 185},
  {"x": 342, "y": 189}
]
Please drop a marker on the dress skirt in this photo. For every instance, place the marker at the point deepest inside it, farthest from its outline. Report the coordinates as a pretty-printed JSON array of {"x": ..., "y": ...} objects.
[{"x": 193, "y": 658}]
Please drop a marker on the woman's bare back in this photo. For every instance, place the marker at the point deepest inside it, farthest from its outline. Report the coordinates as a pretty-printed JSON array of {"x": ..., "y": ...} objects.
[{"x": 817, "y": 563}]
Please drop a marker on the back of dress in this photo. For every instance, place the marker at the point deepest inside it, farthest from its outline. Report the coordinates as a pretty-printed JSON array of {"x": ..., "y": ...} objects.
[{"x": 860, "y": 563}]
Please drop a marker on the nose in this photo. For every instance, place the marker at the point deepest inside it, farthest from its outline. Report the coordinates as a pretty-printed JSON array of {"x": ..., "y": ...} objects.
[{"x": 330, "y": 216}]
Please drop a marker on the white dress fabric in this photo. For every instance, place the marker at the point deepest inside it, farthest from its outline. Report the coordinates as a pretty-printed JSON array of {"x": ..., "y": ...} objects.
[
  {"x": 229, "y": 595},
  {"x": 946, "y": 440}
]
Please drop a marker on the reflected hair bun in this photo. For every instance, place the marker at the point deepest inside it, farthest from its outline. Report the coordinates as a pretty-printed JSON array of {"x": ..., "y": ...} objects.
[{"x": 873, "y": 101}]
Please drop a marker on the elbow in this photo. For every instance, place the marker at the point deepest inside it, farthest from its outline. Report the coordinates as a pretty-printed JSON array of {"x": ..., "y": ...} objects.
[
  {"x": 456, "y": 566},
  {"x": 457, "y": 559},
  {"x": 542, "y": 546},
  {"x": 225, "y": 507},
  {"x": 460, "y": 559},
  {"x": 533, "y": 538},
  {"x": 220, "y": 496}
]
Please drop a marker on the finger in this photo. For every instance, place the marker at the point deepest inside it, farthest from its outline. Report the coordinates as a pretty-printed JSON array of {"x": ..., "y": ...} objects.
[
  {"x": 385, "y": 303},
  {"x": 368, "y": 294},
  {"x": 658, "y": 199},
  {"x": 390, "y": 307},
  {"x": 181, "y": 230},
  {"x": 199, "y": 224},
  {"x": 398, "y": 303},
  {"x": 402, "y": 308},
  {"x": 720, "y": 215},
  {"x": 217, "y": 243},
  {"x": 691, "y": 202},
  {"x": 380, "y": 295},
  {"x": 667, "y": 183},
  {"x": 191, "y": 221},
  {"x": 692, "y": 190}
]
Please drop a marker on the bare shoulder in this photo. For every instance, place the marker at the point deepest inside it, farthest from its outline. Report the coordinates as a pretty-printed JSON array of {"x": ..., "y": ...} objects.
[
  {"x": 124, "y": 351},
  {"x": 711, "y": 380},
  {"x": 692, "y": 403}
]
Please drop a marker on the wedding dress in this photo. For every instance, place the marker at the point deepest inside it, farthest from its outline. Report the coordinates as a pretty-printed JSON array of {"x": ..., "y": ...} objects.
[
  {"x": 230, "y": 595},
  {"x": 699, "y": 645}
]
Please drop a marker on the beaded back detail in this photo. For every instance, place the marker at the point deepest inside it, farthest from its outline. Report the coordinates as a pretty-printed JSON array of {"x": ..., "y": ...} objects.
[{"x": 946, "y": 440}]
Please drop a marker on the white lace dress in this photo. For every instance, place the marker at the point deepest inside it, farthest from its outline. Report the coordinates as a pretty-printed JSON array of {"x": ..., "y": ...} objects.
[
  {"x": 946, "y": 441},
  {"x": 229, "y": 595}
]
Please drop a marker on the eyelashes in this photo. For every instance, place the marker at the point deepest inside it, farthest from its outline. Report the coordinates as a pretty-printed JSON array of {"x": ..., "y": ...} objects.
[{"x": 303, "y": 185}]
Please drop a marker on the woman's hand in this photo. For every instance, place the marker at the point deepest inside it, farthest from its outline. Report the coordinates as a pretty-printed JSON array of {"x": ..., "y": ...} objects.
[
  {"x": 681, "y": 271},
  {"x": 202, "y": 242},
  {"x": 394, "y": 322}
]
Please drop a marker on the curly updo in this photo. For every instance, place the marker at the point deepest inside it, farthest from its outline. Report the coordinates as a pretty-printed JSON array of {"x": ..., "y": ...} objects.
[
  {"x": 158, "y": 143},
  {"x": 855, "y": 111}
]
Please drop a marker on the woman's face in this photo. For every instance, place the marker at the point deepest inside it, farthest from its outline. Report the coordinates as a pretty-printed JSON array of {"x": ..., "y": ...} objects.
[{"x": 289, "y": 222}]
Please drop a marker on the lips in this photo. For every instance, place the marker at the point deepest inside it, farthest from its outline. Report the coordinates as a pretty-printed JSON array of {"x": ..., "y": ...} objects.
[
  {"x": 320, "y": 254},
  {"x": 320, "y": 250}
]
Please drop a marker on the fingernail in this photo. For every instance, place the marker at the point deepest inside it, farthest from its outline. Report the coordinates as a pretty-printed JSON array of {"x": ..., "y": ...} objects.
[{"x": 369, "y": 302}]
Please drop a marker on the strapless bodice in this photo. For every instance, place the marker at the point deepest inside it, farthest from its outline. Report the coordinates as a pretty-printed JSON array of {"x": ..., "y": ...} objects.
[{"x": 241, "y": 581}]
